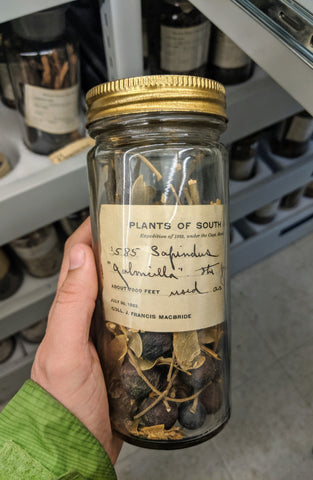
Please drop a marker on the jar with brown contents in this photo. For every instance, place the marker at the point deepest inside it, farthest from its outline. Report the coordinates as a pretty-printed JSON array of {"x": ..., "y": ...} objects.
[
  {"x": 159, "y": 209},
  {"x": 44, "y": 66},
  {"x": 11, "y": 277}
]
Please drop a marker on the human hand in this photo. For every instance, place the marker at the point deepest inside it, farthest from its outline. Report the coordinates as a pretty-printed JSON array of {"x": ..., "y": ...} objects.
[{"x": 66, "y": 364}]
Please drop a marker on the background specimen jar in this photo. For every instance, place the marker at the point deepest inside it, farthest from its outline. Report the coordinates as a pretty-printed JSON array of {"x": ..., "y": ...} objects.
[
  {"x": 159, "y": 210},
  {"x": 43, "y": 62}
]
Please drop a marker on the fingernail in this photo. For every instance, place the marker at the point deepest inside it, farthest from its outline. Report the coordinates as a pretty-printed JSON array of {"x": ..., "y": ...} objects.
[{"x": 77, "y": 257}]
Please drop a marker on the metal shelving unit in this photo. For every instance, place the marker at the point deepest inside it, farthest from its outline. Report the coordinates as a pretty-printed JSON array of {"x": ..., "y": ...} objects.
[{"x": 38, "y": 192}]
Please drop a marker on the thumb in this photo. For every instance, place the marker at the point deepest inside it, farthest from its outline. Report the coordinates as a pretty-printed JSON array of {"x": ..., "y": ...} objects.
[{"x": 71, "y": 312}]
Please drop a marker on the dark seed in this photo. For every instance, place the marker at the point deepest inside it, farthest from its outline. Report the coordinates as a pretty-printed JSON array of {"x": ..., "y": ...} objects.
[
  {"x": 158, "y": 415},
  {"x": 191, "y": 420},
  {"x": 201, "y": 376},
  {"x": 134, "y": 384},
  {"x": 155, "y": 345},
  {"x": 212, "y": 398}
]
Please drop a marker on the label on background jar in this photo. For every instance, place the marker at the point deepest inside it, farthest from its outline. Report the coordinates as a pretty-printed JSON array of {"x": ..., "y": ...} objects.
[
  {"x": 227, "y": 54},
  {"x": 163, "y": 266},
  {"x": 300, "y": 129},
  {"x": 184, "y": 49},
  {"x": 52, "y": 111},
  {"x": 5, "y": 82},
  {"x": 36, "y": 251},
  {"x": 4, "y": 264}
]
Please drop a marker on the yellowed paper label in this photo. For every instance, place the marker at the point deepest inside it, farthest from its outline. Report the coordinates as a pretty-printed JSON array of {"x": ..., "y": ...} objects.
[
  {"x": 71, "y": 149},
  {"x": 52, "y": 111},
  {"x": 163, "y": 266}
]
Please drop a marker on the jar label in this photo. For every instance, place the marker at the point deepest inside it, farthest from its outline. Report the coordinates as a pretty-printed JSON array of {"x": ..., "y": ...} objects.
[
  {"x": 52, "y": 111},
  {"x": 163, "y": 266},
  {"x": 184, "y": 49},
  {"x": 5, "y": 82},
  {"x": 300, "y": 129},
  {"x": 4, "y": 264},
  {"x": 227, "y": 54}
]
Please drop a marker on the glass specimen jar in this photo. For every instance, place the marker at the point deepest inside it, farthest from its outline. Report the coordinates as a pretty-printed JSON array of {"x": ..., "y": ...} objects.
[
  {"x": 158, "y": 179},
  {"x": 184, "y": 38},
  {"x": 40, "y": 251},
  {"x": 7, "y": 94},
  {"x": 292, "y": 199},
  {"x": 243, "y": 158},
  {"x": 44, "y": 67},
  {"x": 73, "y": 221},
  {"x": 11, "y": 277},
  {"x": 265, "y": 214},
  {"x": 7, "y": 347},
  {"x": 5, "y": 166},
  {"x": 228, "y": 63},
  {"x": 292, "y": 136},
  {"x": 35, "y": 332}
]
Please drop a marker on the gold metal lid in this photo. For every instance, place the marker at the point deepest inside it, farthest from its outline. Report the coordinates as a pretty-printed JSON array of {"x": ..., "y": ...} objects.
[{"x": 156, "y": 93}]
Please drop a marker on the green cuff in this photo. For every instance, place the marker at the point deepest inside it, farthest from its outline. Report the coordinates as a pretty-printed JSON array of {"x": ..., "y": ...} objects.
[
  {"x": 17, "y": 464},
  {"x": 54, "y": 437}
]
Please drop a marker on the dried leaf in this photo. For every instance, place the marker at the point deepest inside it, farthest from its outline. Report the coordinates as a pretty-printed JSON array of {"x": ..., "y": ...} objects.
[
  {"x": 113, "y": 328},
  {"x": 141, "y": 193},
  {"x": 135, "y": 343},
  {"x": 199, "y": 362},
  {"x": 208, "y": 335},
  {"x": 186, "y": 348},
  {"x": 144, "y": 364},
  {"x": 209, "y": 351},
  {"x": 118, "y": 349},
  {"x": 158, "y": 432}
]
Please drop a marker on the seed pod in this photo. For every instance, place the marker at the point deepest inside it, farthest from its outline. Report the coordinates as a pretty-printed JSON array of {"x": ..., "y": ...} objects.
[
  {"x": 155, "y": 345},
  {"x": 199, "y": 377},
  {"x": 158, "y": 415},
  {"x": 134, "y": 384},
  {"x": 191, "y": 420},
  {"x": 212, "y": 398}
]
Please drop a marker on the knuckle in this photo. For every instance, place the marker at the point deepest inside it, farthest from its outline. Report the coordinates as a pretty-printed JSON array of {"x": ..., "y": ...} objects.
[{"x": 68, "y": 294}]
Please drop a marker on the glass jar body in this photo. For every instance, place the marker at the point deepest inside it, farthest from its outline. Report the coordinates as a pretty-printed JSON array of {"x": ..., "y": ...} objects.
[
  {"x": 159, "y": 212},
  {"x": 292, "y": 136},
  {"x": 184, "y": 39},
  {"x": 243, "y": 158},
  {"x": 11, "y": 277},
  {"x": 45, "y": 79},
  {"x": 40, "y": 252},
  {"x": 228, "y": 63}
]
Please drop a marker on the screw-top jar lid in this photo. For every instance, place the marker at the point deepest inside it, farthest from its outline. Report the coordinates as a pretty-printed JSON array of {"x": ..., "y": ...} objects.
[{"x": 156, "y": 93}]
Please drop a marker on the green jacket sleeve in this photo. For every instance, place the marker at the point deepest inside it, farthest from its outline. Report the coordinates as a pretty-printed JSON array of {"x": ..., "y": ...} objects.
[{"x": 37, "y": 432}]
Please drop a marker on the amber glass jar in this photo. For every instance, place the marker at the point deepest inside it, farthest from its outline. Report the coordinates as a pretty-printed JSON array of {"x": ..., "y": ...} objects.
[
  {"x": 184, "y": 38},
  {"x": 243, "y": 158},
  {"x": 7, "y": 347},
  {"x": 35, "y": 332},
  {"x": 292, "y": 199},
  {"x": 44, "y": 67},
  {"x": 292, "y": 136},
  {"x": 40, "y": 251},
  {"x": 228, "y": 63},
  {"x": 158, "y": 180},
  {"x": 265, "y": 214}
]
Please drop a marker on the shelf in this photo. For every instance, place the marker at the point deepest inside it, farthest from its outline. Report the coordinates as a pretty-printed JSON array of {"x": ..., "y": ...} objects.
[
  {"x": 15, "y": 8},
  {"x": 38, "y": 192},
  {"x": 264, "y": 240},
  {"x": 28, "y": 305},
  {"x": 285, "y": 66},
  {"x": 268, "y": 185}
]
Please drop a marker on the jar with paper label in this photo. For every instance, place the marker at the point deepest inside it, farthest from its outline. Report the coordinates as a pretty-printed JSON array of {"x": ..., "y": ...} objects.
[
  {"x": 74, "y": 220},
  {"x": 228, "y": 63},
  {"x": 7, "y": 94},
  {"x": 292, "y": 136},
  {"x": 158, "y": 178},
  {"x": 265, "y": 214},
  {"x": 11, "y": 277},
  {"x": 184, "y": 38},
  {"x": 7, "y": 347},
  {"x": 40, "y": 251},
  {"x": 292, "y": 199},
  {"x": 308, "y": 192},
  {"x": 44, "y": 66},
  {"x": 243, "y": 158},
  {"x": 35, "y": 332}
]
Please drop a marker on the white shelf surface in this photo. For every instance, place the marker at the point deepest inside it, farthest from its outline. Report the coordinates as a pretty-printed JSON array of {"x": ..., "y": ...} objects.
[
  {"x": 10, "y": 9},
  {"x": 28, "y": 305},
  {"x": 275, "y": 57},
  {"x": 38, "y": 192}
]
